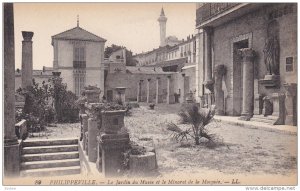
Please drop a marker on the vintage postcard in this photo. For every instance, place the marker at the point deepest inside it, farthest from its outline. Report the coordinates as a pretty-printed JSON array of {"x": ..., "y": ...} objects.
[{"x": 150, "y": 94}]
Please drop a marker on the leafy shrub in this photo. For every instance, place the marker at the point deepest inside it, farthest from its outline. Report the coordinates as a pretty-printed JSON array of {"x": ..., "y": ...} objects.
[
  {"x": 65, "y": 106},
  {"x": 198, "y": 119},
  {"x": 36, "y": 102}
]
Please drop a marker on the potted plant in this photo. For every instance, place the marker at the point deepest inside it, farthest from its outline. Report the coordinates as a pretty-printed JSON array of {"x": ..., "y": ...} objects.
[{"x": 152, "y": 106}]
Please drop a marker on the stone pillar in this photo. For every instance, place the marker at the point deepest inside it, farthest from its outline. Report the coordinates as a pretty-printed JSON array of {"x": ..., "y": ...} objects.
[
  {"x": 220, "y": 71},
  {"x": 92, "y": 139},
  {"x": 208, "y": 82},
  {"x": 168, "y": 89},
  {"x": 291, "y": 103},
  {"x": 182, "y": 96},
  {"x": 138, "y": 97},
  {"x": 11, "y": 145},
  {"x": 121, "y": 94},
  {"x": 278, "y": 108},
  {"x": 148, "y": 90},
  {"x": 248, "y": 83},
  {"x": 27, "y": 59},
  {"x": 84, "y": 118},
  {"x": 157, "y": 91},
  {"x": 112, "y": 146}
]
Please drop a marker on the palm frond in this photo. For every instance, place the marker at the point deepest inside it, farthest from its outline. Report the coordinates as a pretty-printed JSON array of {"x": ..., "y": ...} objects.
[{"x": 173, "y": 127}]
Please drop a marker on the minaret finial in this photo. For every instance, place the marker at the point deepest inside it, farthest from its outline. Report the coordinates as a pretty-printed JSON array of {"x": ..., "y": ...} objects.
[
  {"x": 162, "y": 13},
  {"x": 77, "y": 20}
]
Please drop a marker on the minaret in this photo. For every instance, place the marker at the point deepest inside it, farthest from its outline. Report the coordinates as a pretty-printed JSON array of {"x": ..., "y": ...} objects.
[{"x": 162, "y": 19}]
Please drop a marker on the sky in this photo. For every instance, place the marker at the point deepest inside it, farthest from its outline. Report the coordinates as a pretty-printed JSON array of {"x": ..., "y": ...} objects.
[{"x": 133, "y": 25}]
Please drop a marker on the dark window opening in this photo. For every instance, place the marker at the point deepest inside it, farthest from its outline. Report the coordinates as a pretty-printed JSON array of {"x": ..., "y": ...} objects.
[{"x": 289, "y": 67}]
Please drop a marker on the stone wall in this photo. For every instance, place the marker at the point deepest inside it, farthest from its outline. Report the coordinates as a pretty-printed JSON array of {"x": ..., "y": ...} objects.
[
  {"x": 253, "y": 27},
  {"x": 130, "y": 81}
]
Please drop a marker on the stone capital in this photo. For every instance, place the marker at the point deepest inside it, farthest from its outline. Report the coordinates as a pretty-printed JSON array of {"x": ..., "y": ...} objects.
[
  {"x": 183, "y": 75},
  {"x": 27, "y": 35},
  {"x": 208, "y": 30},
  {"x": 247, "y": 54},
  {"x": 220, "y": 70},
  {"x": 149, "y": 79},
  {"x": 158, "y": 78},
  {"x": 169, "y": 77}
]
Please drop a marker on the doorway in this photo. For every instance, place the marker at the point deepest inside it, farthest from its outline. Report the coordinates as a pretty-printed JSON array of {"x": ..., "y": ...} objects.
[
  {"x": 238, "y": 76},
  {"x": 109, "y": 95}
]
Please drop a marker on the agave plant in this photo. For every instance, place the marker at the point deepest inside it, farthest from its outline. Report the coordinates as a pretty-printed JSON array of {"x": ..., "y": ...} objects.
[{"x": 198, "y": 118}]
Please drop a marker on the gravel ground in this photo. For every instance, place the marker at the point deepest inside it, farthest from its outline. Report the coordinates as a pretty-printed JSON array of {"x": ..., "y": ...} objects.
[{"x": 240, "y": 150}]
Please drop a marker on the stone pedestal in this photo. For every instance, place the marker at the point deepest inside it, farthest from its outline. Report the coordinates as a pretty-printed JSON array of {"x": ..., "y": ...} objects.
[
  {"x": 27, "y": 59},
  {"x": 248, "y": 83},
  {"x": 157, "y": 91},
  {"x": 258, "y": 104},
  {"x": 92, "y": 139},
  {"x": 112, "y": 146},
  {"x": 148, "y": 90},
  {"x": 112, "y": 121},
  {"x": 11, "y": 145},
  {"x": 278, "y": 108},
  {"x": 267, "y": 106},
  {"x": 291, "y": 103},
  {"x": 120, "y": 94},
  {"x": 270, "y": 81},
  {"x": 92, "y": 94},
  {"x": 220, "y": 71},
  {"x": 84, "y": 122}
]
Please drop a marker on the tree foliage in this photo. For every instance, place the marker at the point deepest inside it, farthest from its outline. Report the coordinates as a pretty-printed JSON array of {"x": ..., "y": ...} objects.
[{"x": 130, "y": 61}]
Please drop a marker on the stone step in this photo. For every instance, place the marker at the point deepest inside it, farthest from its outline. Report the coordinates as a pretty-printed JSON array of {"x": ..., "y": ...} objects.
[
  {"x": 50, "y": 156},
  {"x": 267, "y": 121},
  {"x": 269, "y": 117},
  {"x": 49, "y": 142},
  {"x": 60, "y": 171},
  {"x": 49, "y": 149},
  {"x": 49, "y": 164}
]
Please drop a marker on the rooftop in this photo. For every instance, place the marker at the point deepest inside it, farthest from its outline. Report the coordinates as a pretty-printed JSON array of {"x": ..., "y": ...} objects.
[{"x": 78, "y": 33}]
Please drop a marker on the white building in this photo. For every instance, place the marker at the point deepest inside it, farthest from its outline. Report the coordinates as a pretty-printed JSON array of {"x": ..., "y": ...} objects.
[{"x": 79, "y": 57}]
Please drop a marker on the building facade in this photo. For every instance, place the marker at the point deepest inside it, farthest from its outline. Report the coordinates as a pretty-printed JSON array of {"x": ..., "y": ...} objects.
[
  {"x": 79, "y": 57},
  {"x": 248, "y": 59}
]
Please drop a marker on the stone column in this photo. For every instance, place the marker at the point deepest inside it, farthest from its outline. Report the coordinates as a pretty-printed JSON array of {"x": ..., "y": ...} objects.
[
  {"x": 138, "y": 97},
  {"x": 92, "y": 139},
  {"x": 248, "y": 83},
  {"x": 168, "y": 89},
  {"x": 208, "y": 82},
  {"x": 11, "y": 145},
  {"x": 220, "y": 71},
  {"x": 84, "y": 118},
  {"x": 148, "y": 90},
  {"x": 182, "y": 96},
  {"x": 27, "y": 59},
  {"x": 278, "y": 108},
  {"x": 157, "y": 91}
]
